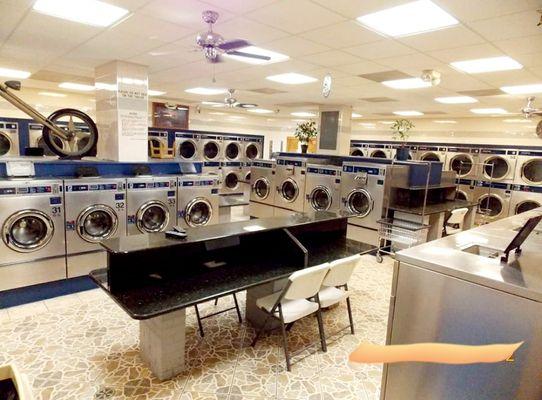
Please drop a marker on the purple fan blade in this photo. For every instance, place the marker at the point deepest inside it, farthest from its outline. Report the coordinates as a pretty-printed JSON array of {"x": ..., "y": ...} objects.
[
  {"x": 234, "y": 45},
  {"x": 249, "y": 55}
]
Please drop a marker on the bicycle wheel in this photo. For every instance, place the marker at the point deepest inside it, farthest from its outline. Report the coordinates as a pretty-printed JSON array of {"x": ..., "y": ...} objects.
[{"x": 81, "y": 132}]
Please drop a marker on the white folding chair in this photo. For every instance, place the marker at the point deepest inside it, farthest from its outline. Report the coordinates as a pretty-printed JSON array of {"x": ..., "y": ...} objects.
[
  {"x": 454, "y": 224},
  {"x": 298, "y": 299},
  {"x": 335, "y": 286}
]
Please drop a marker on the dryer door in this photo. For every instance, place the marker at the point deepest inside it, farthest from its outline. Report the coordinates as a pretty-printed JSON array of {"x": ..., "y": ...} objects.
[
  {"x": 261, "y": 188},
  {"x": 198, "y": 212},
  {"x": 289, "y": 190},
  {"x": 430, "y": 156},
  {"x": 187, "y": 150},
  {"x": 153, "y": 216},
  {"x": 97, "y": 223},
  {"x": 491, "y": 205},
  {"x": 526, "y": 205},
  {"x": 5, "y": 143},
  {"x": 320, "y": 198},
  {"x": 231, "y": 181},
  {"x": 531, "y": 171},
  {"x": 496, "y": 168},
  {"x": 232, "y": 151},
  {"x": 27, "y": 231},
  {"x": 211, "y": 150},
  {"x": 379, "y": 154},
  {"x": 252, "y": 151},
  {"x": 462, "y": 164},
  {"x": 359, "y": 202}
]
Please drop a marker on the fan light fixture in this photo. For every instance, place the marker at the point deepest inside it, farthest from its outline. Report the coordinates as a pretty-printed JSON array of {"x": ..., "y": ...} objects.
[
  {"x": 491, "y": 64},
  {"x": 89, "y": 12},
  {"x": 291, "y": 78},
  {"x": 206, "y": 91},
  {"x": 484, "y": 111},
  {"x": 273, "y": 56},
  {"x": 408, "y": 19},
  {"x": 409, "y": 83},
  {"x": 456, "y": 100}
]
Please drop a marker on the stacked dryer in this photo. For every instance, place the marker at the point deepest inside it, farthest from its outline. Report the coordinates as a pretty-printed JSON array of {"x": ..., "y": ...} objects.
[
  {"x": 252, "y": 148},
  {"x": 290, "y": 181},
  {"x": 95, "y": 211},
  {"x": 464, "y": 161},
  {"x": 197, "y": 200},
  {"x": 262, "y": 188},
  {"x": 376, "y": 150},
  {"x": 527, "y": 188},
  {"x": 429, "y": 153},
  {"x": 187, "y": 146},
  {"x": 358, "y": 150},
  {"x": 9, "y": 139}
]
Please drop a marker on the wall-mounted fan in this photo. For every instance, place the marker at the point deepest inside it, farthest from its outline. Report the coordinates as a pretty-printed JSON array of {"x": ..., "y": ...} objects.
[{"x": 213, "y": 45}]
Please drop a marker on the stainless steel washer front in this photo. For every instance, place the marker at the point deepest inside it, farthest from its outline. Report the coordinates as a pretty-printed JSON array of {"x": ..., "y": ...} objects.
[
  {"x": 359, "y": 202},
  {"x": 153, "y": 216},
  {"x": 28, "y": 230},
  {"x": 198, "y": 212},
  {"x": 96, "y": 223}
]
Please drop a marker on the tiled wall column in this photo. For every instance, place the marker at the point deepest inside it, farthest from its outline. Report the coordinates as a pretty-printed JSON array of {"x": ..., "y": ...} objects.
[
  {"x": 162, "y": 343},
  {"x": 122, "y": 111}
]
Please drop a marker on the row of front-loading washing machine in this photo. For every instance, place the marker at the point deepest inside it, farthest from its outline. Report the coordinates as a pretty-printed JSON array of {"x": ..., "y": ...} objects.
[
  {"x": 519, "y": 166},
  {"x": 52, "y": 228},
  {"x": 288, "y": 185}
]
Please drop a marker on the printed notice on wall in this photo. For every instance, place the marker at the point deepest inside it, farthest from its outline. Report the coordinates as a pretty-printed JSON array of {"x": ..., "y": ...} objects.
[{"x": 132, "y": 108}]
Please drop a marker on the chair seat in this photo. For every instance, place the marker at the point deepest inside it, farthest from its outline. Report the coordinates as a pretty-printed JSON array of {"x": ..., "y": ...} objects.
[
  {"x": 452, "y": 231},
  {"x": 331, "y": 295},
  {"x": 292, "y": 310}
]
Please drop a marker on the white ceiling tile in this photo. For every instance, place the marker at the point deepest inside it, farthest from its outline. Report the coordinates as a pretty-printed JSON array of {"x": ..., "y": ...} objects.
[
  {"x": 295, "y": 46},
  {"x": 509, "y": 78},
  {"x": 295, "y": 16},
  {"x": 380, "y": 49},
  {"x": 343, "y": 34},
  {"x": 508, "y": 26},
  {"x": 254, "y": 32},
  {"x": 522, "y": 45},
  {"x": 413, "y": 60},
  {"x": 468, "y": 10},
  {"x": 529, "y": 60},
  {"x": 331, "y": 58},
  {"x": 10, "y": 16},
  {"x": 146, "y": 26},
  {"x": 354, "y": 9},
  {"x": 444, "y": 38},
  {"x": 466, "y": 53},
  {"x": 363, "y": 67},
  {"x": 240, "y": 6}
]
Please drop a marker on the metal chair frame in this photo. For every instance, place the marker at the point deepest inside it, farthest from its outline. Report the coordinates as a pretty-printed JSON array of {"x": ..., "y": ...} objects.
[{"x": 200, "y": 318}]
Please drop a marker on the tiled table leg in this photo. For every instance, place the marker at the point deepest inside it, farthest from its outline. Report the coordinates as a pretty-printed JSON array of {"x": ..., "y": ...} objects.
[{"x": 162, "y": 342}]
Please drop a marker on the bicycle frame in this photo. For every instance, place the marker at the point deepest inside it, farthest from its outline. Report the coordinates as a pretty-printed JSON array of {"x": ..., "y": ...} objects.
[{"x": 31, "y": 111}]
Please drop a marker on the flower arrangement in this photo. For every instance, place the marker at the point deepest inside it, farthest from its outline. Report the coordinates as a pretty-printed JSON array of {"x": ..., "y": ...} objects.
[
  {"x": 304, "y": 132},
  {"x": 400, "y": 129}
]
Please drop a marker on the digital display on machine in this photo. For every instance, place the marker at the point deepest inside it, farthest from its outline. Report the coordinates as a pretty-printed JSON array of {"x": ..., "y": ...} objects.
[
  {"x": 295, "y": 163},
  {"x": 357, "y": 168},
  {"x": 261, "y": 164},
  {"x": 531, "y": 153},
  {"x": 35, "y": 190},
  {"x": 161, "y": 184},
  {"x": 4, "y": 191},
  {"x": 140, "y": 185},
  {"x": 492, "y": 151},
  {"x": 321, "y": 171},
  {"x": 198, "y": 183},
  {"x": 233, "y": 164},
  {"x": 171, "y": 193}
]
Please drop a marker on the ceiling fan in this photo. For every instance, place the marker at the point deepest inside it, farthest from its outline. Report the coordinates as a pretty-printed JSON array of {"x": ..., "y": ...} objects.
[
  {"x": 231, "y": 101},
  {"x": 214, "y": 45}
]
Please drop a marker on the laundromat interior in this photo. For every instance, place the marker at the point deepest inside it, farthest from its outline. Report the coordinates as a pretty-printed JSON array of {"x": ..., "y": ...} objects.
[{"x": 270, "y": 199}]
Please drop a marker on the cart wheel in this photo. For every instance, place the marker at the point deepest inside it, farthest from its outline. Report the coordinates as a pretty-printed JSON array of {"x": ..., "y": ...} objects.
[{"x": 379, "y": 258}]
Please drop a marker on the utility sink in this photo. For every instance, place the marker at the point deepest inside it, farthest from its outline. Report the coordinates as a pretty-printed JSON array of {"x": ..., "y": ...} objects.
[{"x": 483, "y": 251}]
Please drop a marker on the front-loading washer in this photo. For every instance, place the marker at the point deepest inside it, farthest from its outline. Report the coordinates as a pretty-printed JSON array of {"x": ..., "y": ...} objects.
[
  {"x": 493, "y": 201},
  {"x": 231, "y": 178},
  {"x": 95, "y": 211},
  {"x": 151, "y": 204},
  {"x": 9, "y": 139},
  {"x": 464, "y": 161},
  {"x": 290, "y": 179},
  {"x": 497, "y": 165},
  {"x": 197, "y": 200},
  {"x": 187, "y": 146},
  {"x": 233, "y": 148},
  {"x": 211, "y": 147},
  {"x": 32, "y": 248},
  {"x": 323, "y": 188},
  {"x": 529, "y": 168},
  {"x": 262, "y": 188},
  {"x": 525, "y": 198}
]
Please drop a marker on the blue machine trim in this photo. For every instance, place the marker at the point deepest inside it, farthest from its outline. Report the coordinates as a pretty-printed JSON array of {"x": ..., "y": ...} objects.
[
  {"x": 321, "y": 171},
  {"x": 359, "y": 168},
  {"x": 531, "y": 153},
  {"x": 492, "y": 151}
]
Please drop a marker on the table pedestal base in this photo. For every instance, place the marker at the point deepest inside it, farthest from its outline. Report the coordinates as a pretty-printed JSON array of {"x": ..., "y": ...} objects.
[{"x": 162, "y": 343}]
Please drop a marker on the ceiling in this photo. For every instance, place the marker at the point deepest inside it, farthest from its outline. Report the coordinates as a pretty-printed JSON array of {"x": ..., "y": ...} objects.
[{"x": 319, "y": 36}]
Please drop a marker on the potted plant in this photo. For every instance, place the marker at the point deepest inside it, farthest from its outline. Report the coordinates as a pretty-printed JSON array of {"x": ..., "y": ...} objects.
[
  {"x": 400, "y": 130},
  {"x": 304, "y": 132}
]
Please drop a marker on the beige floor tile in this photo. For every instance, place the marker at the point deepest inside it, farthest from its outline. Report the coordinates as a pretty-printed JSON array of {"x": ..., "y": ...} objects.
[
  {"x": 91, "y": 295},
  {"x": 4, "y": 316},
  {"x": 27, "y": 310},
  {"x": 202, "y": 396},
  {"x": 62, "y": 302}
]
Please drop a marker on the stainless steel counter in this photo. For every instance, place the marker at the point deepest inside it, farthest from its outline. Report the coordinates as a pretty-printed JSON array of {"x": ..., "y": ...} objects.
[{"x": 443, "y": 294}]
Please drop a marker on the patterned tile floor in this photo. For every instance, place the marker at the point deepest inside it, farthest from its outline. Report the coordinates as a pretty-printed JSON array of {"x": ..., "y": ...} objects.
[{"x": 84, "y": 346}]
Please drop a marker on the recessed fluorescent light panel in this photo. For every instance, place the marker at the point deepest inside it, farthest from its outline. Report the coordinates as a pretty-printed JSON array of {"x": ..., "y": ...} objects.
[
  {"x": 491, "y": 64},
  {"x": 155, "y": 92},
  {"x": 14, "y": 73},
  {"x": 76, "y": 86},
  {"x": 260, "y": 111},
  {"x": 408, "y": 19},
  {"x": 523, "y": 89},
  {"x": 408, "y": 113},
  {"x": 445, "y": 121},
  {"x": 274, "y": 57},
  {"x": 89, "y": 12},
  {"x": 356, "y": 115},
  {"x": 517, "y": 121},
  {"x": 51, "y": 94},
  {"x": 303, "y": 114},
  {"x": 489, "y": 111},
  {"x": 291, "y": 78},
  {"x": 206, "y": 91},
  {"x": 410, "y": 83},
  {"x": 456, "y": 100},
  {"x": 386, "y": 122}
]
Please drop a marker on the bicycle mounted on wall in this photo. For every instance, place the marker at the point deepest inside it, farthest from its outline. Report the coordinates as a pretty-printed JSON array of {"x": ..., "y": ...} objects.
[{"x": 67, "y": 139}]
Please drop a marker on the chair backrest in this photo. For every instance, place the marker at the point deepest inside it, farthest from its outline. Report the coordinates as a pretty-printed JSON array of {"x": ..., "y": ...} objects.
[
  {"x": 458, "y": 215},
  {"x": 341, "y": 270},
  {"x": 306, "y": 282}
]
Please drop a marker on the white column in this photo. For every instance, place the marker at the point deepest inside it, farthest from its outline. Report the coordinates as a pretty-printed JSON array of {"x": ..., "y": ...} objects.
[
  {"x": 343, "y": 132},
  {"x": 122, "y": 111}
]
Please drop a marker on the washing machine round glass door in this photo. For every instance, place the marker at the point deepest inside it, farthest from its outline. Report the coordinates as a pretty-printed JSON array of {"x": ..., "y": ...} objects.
[
  {"x": 187, "y": 150},
  {"x": 496, "y": 168},
  {"x": 289, "y": 190},
  {"x": 320, "y": 198},
  {"x": 28, "y": 230},
  {"x": 357, "y": 153},
  {"x": 461, "y": 164},
  {"x": 231, "y": 181},
  {"x": 430, "y": 156},
  {"x": 359, "y": 202},
  {"x": 378, "y": 154},
  {"x": 232, "y": 151},
  {"x": 251, "y": 151},
  {"x": 153, "y": 216},
  {"x": 531, "y": 171},
  {"x": 198, "y": 212},
  {"x": 5, "y": 144},
  {"x": 526, "y": 205},
  {"x": 97, "y": 223},
  {"x": 491, "y": 205},
  {"x": 211, "y": 150},
  {"x": 261, "y": 188}
]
